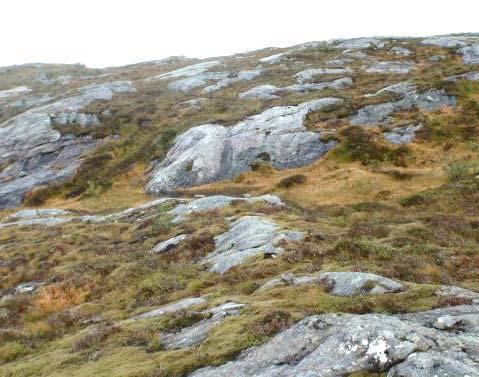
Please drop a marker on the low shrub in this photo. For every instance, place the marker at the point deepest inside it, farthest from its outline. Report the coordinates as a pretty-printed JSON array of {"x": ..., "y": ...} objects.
[{"x": 292, "y": 180}]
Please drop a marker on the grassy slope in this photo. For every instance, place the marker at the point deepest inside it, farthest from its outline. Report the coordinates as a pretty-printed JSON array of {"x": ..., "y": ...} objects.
[{"x": 411, "y": 220}]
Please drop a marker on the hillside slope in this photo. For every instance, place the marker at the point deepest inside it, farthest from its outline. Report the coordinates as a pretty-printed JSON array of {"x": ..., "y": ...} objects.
[{"x": 308, "y": 211}]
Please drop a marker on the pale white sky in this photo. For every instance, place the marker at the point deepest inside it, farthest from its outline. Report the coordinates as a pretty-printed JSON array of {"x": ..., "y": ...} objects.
[{"x": 101, "y": 33}]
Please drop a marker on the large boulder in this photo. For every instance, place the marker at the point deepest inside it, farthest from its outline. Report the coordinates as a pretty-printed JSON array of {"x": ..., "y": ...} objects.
[
  {"x": 212, "y": 152},
  {"x": 188, "y": 71},
  {"x": 333, "y": 345},
  {"x": 470, "y": 54},
  {"x": 247, "y": 237},
  {"x": 171, "y": 308},
  {"x": 33, "y": 153},
  {"x": 308, "y": 75},
  {"x": 360, "y": 43}
]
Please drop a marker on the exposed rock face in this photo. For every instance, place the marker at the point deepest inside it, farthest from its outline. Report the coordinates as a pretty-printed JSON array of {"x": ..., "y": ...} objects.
[
  {"x": 306, "y": 87},
  {"x": 340, "y": 283},
  {"x": 357, "y": 283},
  {"x": 249, "y": 236},
  {"x": 360, "y": 43},
  {"x": 212, "y": 152},
  {"x": 261, "y": 92},
  {"x": 402, "y": 135},
  {"x": 168, "y": 244},
  {"x": 471, "y": 76},
  {"x": 308, "y": 75},
  {"x": 193, "y": 104},
  {"x": 273, "y": 59},
  {"x": 336, "y": 345},
  {"x": 34, "y": 213},
  {"x": 189, "y": 83},
  {"x": 14, "y": 92},
  {"x": 470, "y": 54},
  {"x": 35, "y": 153},
  {"x": 210, "y": 203},
  {"x": 246, "y": 75},
  {"x": 436, "y": 58},
  {"x": 395, "y": 67},
  {"x": 188, "y": 71},
  {"x": 401, "y": 51},
  {"x": 197, "y": 333},
  {"x": 377, "y": 114},
  {"x": 172, "y": 308},
  {"x": 402, "y": 88},
  {"x": 338, "y": 62},
  {"x": 447, "y": 42},
  {"x": 458, "y": 292}
]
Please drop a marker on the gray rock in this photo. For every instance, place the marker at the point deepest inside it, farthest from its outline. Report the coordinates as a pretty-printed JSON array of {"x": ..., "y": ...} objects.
[
  {"x": 34, "y": 213},
  {"x": 35, "y": 153},
  {"x": 247, "y": 237},
  {"x": 447, "y": 42},
  {"x": 334, "y": 345},
  {"x": 29, "y": 287},
  {"x": 436, "y": 58},
  {"x": 273, "y": 59},
  {"x": 193, "y": 104},
  {"x": 432, "y": 364},
  {"x": 471, "y": 76},
  {"x": 189, "y": 83},
  {"x": 210, "y": 203},
  {"x": 377, "y": 114},
  {"x": 360, "y": 43},
  {"x": 4, "y": 94},
  {"x": 197, "y": 333},
  {"x": 168, "y": 244},
  {"x": 261, "y": 92},
  {"x": 393, "y": 67},
  {"x": 46, "y": 221},
  {"x": 401, "y": 51},
  {"x": 470, "y": 54},
  {"x": 338, "y": 62},
  {"x": 450, "y": 291},
  {"x": 212, "y": 152},
  {"x": 72, "y": 117},
  {"x": 308, "y": 75},
  {"x": 172, "y": 308},
  {"x": 357, "y": 283},
  {"x": 340, "y": 283},
  {"x": 402, "y": 135},
  {"x": 188, "y": 71},
  {"x": 401, "y": 88},
  {"x": 246, "y": 75},
  {"x": 306, "y": 87}
]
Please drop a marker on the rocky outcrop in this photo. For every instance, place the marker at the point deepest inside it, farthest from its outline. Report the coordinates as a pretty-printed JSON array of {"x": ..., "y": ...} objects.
[
  {"x": 340, "y": 283},
  {"x": 212, "y": 152},
  {"x": 247, "y": 237},
  {"x": 197, "y": 333},
  {"x": 168, "y": 244},
  {"x": 357, "y": 283},
  {"x": 210, "y": 203},
  {"x": 273, "y": 59},
  {"x": 360, "y": 43},
  {"x": 381, "y": 113},
  {"x": 471, "y": 76},
  {"x": 337, "y": 345},
  {"x": 172, "y": 308},
  {"x": 34, "y": 153},
  {"x": 271, "y": 92},
  {"x": 308, "y": 75},
  {"x": 261, "y": 92},
  {"x": 401, "y": 51},
  {"x": 393, "y": 67},
  {"x": 470, "y": 54},
  {"x": 246, "y": 75},
  {"x": 4, "y": 94},
  {"x": 445, "y": 41},
  {"x": 188, "y": 71},
  {"x": 401, "y": 88},
  {"x": 402, "y": 135},
  {"x": 35, "y": 213}
]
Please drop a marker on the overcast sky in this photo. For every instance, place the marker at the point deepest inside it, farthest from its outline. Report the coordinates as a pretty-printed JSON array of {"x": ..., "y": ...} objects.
[{"x": 103, "y": 33}]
